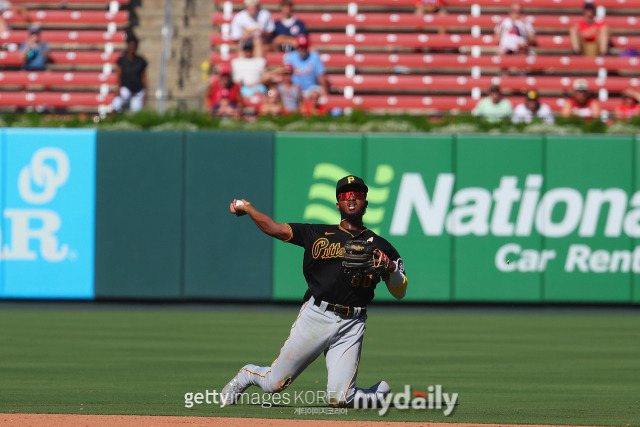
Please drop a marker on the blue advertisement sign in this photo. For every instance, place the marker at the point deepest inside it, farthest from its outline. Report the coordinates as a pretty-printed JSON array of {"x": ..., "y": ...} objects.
[{"x": 48, "y": 203}]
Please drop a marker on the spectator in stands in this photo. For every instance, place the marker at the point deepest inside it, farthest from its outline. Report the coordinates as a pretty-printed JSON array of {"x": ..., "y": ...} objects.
[
  {"x": 629, "y": 106},
  {"x": 589, "y": 36},
  {"x": 432, "y": 6},
  {"x": 248, "y": 71},
  {"x": 309, "y": 74},
  {"x": 132, "y": 79},
  {"x": 223, "y": 95},
  {"x": 34, "y": 52},
  {"x": 581, "y": 104},
  {"x": 494, "y": 107},
  {"x": 287, "y": 28},
  {"x": 252, "y": 28},
  {"x": 290, "y": 93},
  {"x": 7, "y": 5},
  {"x": 531, "y": 109},
  {"x": 515, "y": 34},
  {"x": 272, "y": 103}
]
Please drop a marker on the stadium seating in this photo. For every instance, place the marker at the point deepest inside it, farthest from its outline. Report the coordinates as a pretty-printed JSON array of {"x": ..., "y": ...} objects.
[
  {"x": 56, "y": 78},
  {"x": 397, "y": 41},
  {"x": 64, "y": 57},
  {"x": 435, "y": 62},
  {"x": 54, "y": 99},
  {"x": 546, "y": 4},
  {"x": 432, "y": 104},
  {"x": 463, "y": 84},
  {"x": 73, "y": 3},
  {"x": 381, "y": 56},
  {"x": 86, "y": 38},
  {"x": 404, "y": 21},
  {"x": 84, "y": 18}
]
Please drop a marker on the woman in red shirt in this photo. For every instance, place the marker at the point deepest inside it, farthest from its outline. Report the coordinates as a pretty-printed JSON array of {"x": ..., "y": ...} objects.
[{"x": 590, "y": 36}]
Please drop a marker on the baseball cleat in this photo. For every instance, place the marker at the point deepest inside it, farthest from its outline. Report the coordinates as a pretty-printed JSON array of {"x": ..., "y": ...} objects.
[{"x": 230, "y": 392}]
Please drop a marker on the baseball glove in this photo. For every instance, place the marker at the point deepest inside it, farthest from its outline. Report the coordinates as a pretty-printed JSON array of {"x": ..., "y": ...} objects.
[{"x": 361, "y": 257}]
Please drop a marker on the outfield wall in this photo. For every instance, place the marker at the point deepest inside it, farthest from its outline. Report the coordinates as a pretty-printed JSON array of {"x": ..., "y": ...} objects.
[{"x": 477, "y": 218}]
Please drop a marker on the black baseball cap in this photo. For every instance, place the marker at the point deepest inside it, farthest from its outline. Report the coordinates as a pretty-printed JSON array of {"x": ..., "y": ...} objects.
[{"x": 351, "y": 182}]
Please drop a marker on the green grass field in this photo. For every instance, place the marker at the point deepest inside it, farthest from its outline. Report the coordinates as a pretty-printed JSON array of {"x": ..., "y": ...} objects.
[{"x": 507, "y": 367}]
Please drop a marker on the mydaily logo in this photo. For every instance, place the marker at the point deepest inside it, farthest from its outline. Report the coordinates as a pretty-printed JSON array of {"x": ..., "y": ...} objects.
[
  {"x": 434, "y": 399},
  {"x": 38, "y": 183}
]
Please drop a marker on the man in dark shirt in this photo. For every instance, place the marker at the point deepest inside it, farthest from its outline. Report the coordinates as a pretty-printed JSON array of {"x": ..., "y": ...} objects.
[
  {"x": 287, "y": 28},
  {"x": 132, "y": 79},
  {"x": 332, "y": 318}
]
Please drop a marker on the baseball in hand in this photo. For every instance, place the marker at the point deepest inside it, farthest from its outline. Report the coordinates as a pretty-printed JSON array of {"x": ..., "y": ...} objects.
[{"x": 239, "y": 212}]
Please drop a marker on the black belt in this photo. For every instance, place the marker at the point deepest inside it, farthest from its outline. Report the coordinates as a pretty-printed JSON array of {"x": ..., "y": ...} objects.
[{"x": 342, "y": 310}]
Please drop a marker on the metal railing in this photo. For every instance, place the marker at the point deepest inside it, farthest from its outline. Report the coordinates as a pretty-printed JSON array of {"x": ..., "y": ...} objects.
[{"x": 161, "y": 91}]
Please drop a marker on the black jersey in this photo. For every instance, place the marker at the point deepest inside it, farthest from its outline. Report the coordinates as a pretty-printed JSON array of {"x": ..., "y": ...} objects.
[
  {"x": 132, "y": 72},
  {"x": 322, "y": 264}
]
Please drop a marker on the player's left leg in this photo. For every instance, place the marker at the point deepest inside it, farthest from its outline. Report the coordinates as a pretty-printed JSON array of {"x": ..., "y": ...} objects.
[
  {"x": 308, "y": 338},
  {"x": 342, "y": 357}
]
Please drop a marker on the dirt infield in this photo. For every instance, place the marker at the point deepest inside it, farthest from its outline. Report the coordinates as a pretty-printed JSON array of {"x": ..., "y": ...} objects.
[{"x": 61, "y": 420}]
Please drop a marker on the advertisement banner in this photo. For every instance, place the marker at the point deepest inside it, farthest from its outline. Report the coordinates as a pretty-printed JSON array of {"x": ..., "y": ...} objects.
[
  {"x": 478, "y": 218},
  {"x": 492, "y": 172},
  {"x": 307, "y": 169},
  {"x": 589, "y": 214},
  {"x": 398, "y": 171},
  {"x": 48, "y": 213}
]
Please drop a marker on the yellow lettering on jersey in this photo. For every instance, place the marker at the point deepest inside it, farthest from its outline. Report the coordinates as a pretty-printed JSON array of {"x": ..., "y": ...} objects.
[
  {"x": 323, "y": 249},
  {"x": 362, "y": 281}
]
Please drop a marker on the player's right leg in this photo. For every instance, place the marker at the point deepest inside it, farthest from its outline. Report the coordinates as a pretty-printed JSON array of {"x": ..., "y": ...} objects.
[
  {"x": 308, "y": 337},
  {"x": 343, "y": 358}
]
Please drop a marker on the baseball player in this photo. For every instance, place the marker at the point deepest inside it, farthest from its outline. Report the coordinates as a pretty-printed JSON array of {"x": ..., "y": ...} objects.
[{"x": 332, "y": 317}]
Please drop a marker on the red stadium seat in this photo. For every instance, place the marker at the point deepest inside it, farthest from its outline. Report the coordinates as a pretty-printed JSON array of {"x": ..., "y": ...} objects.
[
  {"x": 412, "y": 21},
  {"x": 457, "y": 83},
  {"x": 435, "y": 103},
  {"x": 64, "y": 57},
  {"x": 59, "y": 36},
  {"x": 56, "y": 78},
  {"x": 84, "y": 17},
  {"x": 455, "y": 61},
  {"x": 389, "y": 3},
  {"x": 546, "y": 4},
  {"x": 74, "y": 2},
  {"x": 415, "y": 40},
  {"x": 550, "y": 4},
  {"x": 54, "y": 99}
]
